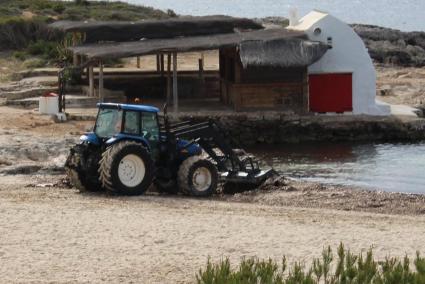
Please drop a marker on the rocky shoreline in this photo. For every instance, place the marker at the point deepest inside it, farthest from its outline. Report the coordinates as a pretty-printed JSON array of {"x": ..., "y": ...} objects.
[
  {"x": 393, "y": 47},
  {"x": 295, "y": 193}
]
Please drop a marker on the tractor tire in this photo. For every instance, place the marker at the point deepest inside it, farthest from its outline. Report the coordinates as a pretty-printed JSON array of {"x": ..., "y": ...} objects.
[
  {"x": 166, "y": 186},
  {"x": 79, "y": 176},
  {"x": 126, "y": 168},
  {"x": 197, "y": 177}
]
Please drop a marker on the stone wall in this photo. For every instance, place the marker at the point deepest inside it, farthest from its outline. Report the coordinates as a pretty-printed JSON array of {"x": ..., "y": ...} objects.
[{"x": 273, "y": 128}]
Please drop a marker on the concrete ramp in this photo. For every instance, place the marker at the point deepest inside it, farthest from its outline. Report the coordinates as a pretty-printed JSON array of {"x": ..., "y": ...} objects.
[{"x": 404, "y": 110}]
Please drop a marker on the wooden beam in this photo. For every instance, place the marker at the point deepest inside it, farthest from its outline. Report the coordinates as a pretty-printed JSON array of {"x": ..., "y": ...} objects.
[
  {"x": 175, "y": 91},
  {"x": 138, "y": 62},
  {"x": 91, "y": 81},
  {"x": 101, "y": 93},
  {"x": 168, "y": 78}
]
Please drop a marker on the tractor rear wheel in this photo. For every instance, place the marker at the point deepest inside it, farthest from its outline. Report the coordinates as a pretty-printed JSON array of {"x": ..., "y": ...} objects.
[
  {"x": 81, "y": 168},
  {"x": 126, "y": 168},
  {"x": 198, "y": 177}
]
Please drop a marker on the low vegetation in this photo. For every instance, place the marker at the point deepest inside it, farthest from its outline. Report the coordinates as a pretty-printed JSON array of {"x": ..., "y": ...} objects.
[
  {"x": 79, "y": 10},
  {"x": 23, "y": 24},
  {"x": 346, "y": 267}
]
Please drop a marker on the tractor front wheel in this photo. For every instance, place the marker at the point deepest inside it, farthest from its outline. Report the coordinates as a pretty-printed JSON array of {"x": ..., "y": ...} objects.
[
  {"x": 198, "y": 177},
  {"x": 126, "y": 168},
  {"x": 82, "y": 168}
]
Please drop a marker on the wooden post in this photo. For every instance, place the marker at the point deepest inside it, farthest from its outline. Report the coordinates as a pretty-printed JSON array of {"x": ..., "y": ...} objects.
[
  {"x": 91, "y": 81},
  {"x": 138, "y": 62},
  {"x": 201, "y": 75},
  {"x": 101, "y": 98},
  {"x": 74, "y": 55},
  {"x": 306, "y": 92},
  {"x": 162, "y": 65},
  {"x": 168, "y": 78},
  {"x": 201, "y": 66},
  {"x": 238, "y": 70},
  {"x": 175, "y": 93},
  {"x": 158, "y": 66}
]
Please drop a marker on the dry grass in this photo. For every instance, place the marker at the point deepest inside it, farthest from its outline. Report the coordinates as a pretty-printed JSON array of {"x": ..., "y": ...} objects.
[{"x": 8, "y": 66}]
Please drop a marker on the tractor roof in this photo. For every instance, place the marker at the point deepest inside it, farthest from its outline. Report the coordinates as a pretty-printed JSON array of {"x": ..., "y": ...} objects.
[{"x": 143, "y": 108}]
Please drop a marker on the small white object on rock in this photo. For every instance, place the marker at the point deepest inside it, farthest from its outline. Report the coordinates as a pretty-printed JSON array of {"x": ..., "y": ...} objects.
[{"x": 60, "y": 117}]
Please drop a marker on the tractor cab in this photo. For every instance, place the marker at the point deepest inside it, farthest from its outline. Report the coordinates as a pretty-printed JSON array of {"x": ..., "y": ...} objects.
[{"x": 120, "y": 121}]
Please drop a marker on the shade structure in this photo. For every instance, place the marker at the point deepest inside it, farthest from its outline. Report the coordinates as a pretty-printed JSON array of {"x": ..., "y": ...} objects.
[
  {"x": 96, "y": 31},
  {"x": 276, "y": 47}
]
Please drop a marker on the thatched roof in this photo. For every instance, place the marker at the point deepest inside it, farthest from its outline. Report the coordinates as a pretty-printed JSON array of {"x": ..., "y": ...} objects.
[
  {"x": 152, "y": 29},
  {"x": 281, "y": 52},
  {"x": 275, "y": 47}
]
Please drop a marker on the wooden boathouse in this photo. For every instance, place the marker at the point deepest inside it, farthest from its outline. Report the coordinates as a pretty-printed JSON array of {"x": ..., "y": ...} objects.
[{"x": 259, "y": 68}]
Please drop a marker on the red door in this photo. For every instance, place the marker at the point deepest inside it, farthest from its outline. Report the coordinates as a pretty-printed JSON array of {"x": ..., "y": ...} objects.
[{"x": 331, "y": 92}]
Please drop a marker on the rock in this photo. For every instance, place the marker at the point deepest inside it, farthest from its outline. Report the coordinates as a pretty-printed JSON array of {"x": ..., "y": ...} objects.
[
  {"x": 21, "y": 170},
  {"x": 415, "y": 50},
  {"x": 384, "y": 92},
  {"x": 290, "y": 189},
  {"x": 393, "y": 47}
]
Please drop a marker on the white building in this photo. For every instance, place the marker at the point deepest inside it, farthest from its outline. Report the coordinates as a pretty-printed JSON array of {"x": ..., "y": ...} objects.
[{"x": 344, "y": 79}]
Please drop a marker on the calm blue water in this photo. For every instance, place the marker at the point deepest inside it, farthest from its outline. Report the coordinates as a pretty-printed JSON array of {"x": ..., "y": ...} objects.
[
  {"x": 387, "y": 167},
  {"x": 407, "y": 15}
]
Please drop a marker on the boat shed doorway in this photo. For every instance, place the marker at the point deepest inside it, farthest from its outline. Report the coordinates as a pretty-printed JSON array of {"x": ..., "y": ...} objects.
[{"x": 331, "y": 92}]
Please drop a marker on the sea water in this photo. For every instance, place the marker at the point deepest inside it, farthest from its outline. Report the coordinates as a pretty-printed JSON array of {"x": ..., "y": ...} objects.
[
  {"x": 406, "y": 15},
  {"x": 395, "y": 167}
]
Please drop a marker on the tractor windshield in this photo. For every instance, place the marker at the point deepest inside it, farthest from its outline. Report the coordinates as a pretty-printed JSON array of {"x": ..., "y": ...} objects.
[{"x": 108, "y": 122}]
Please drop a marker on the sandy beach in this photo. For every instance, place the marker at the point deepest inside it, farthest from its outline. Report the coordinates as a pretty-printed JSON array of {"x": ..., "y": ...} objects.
[
  {"x": 52, "y": 233},
  {"x": 58, "y": 235}
]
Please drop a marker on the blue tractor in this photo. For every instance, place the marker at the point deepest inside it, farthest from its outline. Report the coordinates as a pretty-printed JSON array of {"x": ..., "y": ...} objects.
[{"x": 132, "y": 146}]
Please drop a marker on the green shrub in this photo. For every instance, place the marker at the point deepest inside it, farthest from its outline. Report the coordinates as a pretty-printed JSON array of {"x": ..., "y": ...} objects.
[
  {"x": 81, "y": 2},
  {"x": 17, "y": 33},
  {"x": 20, "y": 55},
  {"x": 45, "y": 49},
  {"x": 75, "y": 14},
  {"x": 43, "y": 4},
  {"x": 72, "y": 75},
  {"x": 58, "y": 8},
  {"x": 171, "y": 13},
  {"x": 348, "y": 268}
]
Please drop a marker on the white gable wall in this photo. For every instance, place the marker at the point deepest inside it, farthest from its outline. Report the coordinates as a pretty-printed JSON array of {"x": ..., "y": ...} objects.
[{"x": 348, "y": 55}]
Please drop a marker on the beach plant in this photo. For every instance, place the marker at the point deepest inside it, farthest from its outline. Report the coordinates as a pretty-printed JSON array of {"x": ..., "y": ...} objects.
[{"x": 345, "y": 268}]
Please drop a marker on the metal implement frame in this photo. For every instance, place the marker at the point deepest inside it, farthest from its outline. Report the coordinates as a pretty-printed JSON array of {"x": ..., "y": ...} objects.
[{"x": 210, "y": 136}]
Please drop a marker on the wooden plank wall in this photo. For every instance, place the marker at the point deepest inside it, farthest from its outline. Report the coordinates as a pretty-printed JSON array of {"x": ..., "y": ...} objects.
[
  {"x": 256, "y": 88},
  {"x": 282, "y": 96}
]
